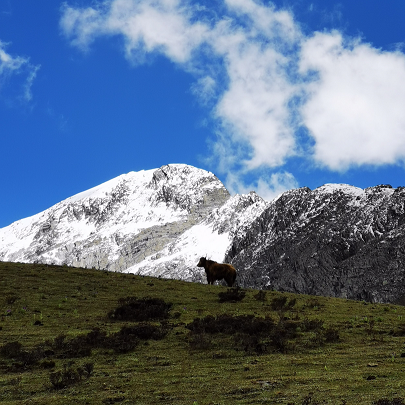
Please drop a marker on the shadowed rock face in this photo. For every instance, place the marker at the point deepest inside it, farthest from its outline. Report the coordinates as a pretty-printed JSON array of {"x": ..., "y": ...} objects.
[{"x": 335, "y": 241}]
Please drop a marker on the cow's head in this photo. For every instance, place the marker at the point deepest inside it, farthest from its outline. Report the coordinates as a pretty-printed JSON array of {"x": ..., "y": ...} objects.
[{"x": 202, "y": 262}]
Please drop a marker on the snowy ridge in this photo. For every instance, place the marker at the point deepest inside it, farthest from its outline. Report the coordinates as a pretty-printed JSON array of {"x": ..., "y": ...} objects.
[{"x": 94, "y": 228}]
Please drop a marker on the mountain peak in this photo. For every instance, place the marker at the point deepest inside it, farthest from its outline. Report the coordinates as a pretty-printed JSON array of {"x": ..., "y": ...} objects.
[{"x": 95, "y": 228}]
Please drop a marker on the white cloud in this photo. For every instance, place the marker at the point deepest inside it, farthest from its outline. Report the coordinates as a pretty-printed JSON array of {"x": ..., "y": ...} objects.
[
  {"x": 205, "y": 89},
  {"x": 268, "y": 187},
  {"x": 147, "y": 26},
  {"x": 355, "y": 109},
  {"x": 32, "y": 74},
  {"x": 9, "y": 64},
  {"x": 264, "y": 77},
  {"x": 254, "y": 107},
  {"x": 17, "y": 65}
]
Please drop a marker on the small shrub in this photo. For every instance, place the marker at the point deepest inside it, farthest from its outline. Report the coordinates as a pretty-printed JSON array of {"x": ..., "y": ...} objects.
[
  {"x": 281, "y": 304},
  {"x": 82, "y": 345},
  {"x": 95, "y": 338},
  {"x": 309, "y": 400},
  {"x": 314, "y": 303},
  {"x": 249, "y": 343},
  {"x": 247, "y": 330},
  {"x": 331, "y": 335},
  {"x": 11, "y": 350},
  {"x": 67, "y": 349},
  {"x": 386, "y": 401},
  {"x": 143, "y": 309},
  {"x": 23, "y": 359},
  {"x": 47, "y": 364},
  {"x": 200, "y": 341},
  {"x": 145, "y": 331},
  {"x": 312, "y": 325},
  {"x": 11, "y": 299},
  {"x": 68, "y": 376},
  {"x": 260, "y": 296},
  {"x": 121, "y": 342},
  {"x": 88, "y": 368},
  {"x": 229, "y": 324},
  {"x": 282, "y": 334},
  {"x": 235, "y": 294},
  {"x": 30, "y": 358},
  {"x": 59, "y": 342}
]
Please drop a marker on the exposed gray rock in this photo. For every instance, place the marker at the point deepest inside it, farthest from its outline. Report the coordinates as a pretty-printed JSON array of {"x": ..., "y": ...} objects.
[{"x": 336, "y": 241}]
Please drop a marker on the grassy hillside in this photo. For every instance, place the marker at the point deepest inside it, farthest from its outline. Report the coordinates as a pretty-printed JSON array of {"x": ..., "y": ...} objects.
[{"x": 80, "y": 336}]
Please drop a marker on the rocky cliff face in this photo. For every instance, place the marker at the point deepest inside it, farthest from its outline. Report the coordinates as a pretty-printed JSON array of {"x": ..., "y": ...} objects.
[{"x": 337, "y": 240}]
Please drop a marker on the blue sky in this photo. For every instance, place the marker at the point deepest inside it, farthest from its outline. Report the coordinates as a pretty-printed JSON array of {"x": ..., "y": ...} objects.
[{"x": 267, "y": 95}]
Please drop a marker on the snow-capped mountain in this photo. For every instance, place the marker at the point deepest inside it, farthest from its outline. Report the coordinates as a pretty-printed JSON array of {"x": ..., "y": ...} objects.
[
  {"x": 119, "y": 223},
  {"x": 336, "y": 240}
]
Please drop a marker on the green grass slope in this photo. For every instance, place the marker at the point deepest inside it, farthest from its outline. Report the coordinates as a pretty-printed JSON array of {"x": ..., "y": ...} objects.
[{"x": 83, "y": 336}]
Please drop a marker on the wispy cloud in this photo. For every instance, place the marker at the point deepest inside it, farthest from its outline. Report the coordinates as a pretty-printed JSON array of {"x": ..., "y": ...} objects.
[
  {"x": 266, "y": 80},
  {"x": 11, "y": 66},
  {"x": 267, "y": 186}
]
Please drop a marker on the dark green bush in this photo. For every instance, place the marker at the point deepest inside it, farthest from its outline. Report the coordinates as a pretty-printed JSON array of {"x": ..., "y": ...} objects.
[
  {"x": 282, "y": 334},
  {"x": 11, "y": 350},
  {"x": 331, "y": 335},
  {"x": 249, "y": 343},
  {"x": 23, "y": 359},
  {"x": 386, "y": 401},
  {"x": 145, "y": 331},
  {"x": 230, "y": 324},
  {"x": 142, "y": 309},
  {"x": 247, "y": 330},
  {"x": 235, "y": 294}
]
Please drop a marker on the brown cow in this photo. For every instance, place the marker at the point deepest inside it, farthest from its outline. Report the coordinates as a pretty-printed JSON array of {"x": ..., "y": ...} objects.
[{"x": 217, "y": 271}]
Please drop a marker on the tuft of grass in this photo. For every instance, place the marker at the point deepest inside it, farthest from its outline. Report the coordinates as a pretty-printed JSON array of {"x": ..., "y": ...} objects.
[{"x": 70, "y": 375}]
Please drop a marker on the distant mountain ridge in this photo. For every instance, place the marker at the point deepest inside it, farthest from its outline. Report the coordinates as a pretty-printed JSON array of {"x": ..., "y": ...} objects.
[{"x": 337, "y": 240}]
